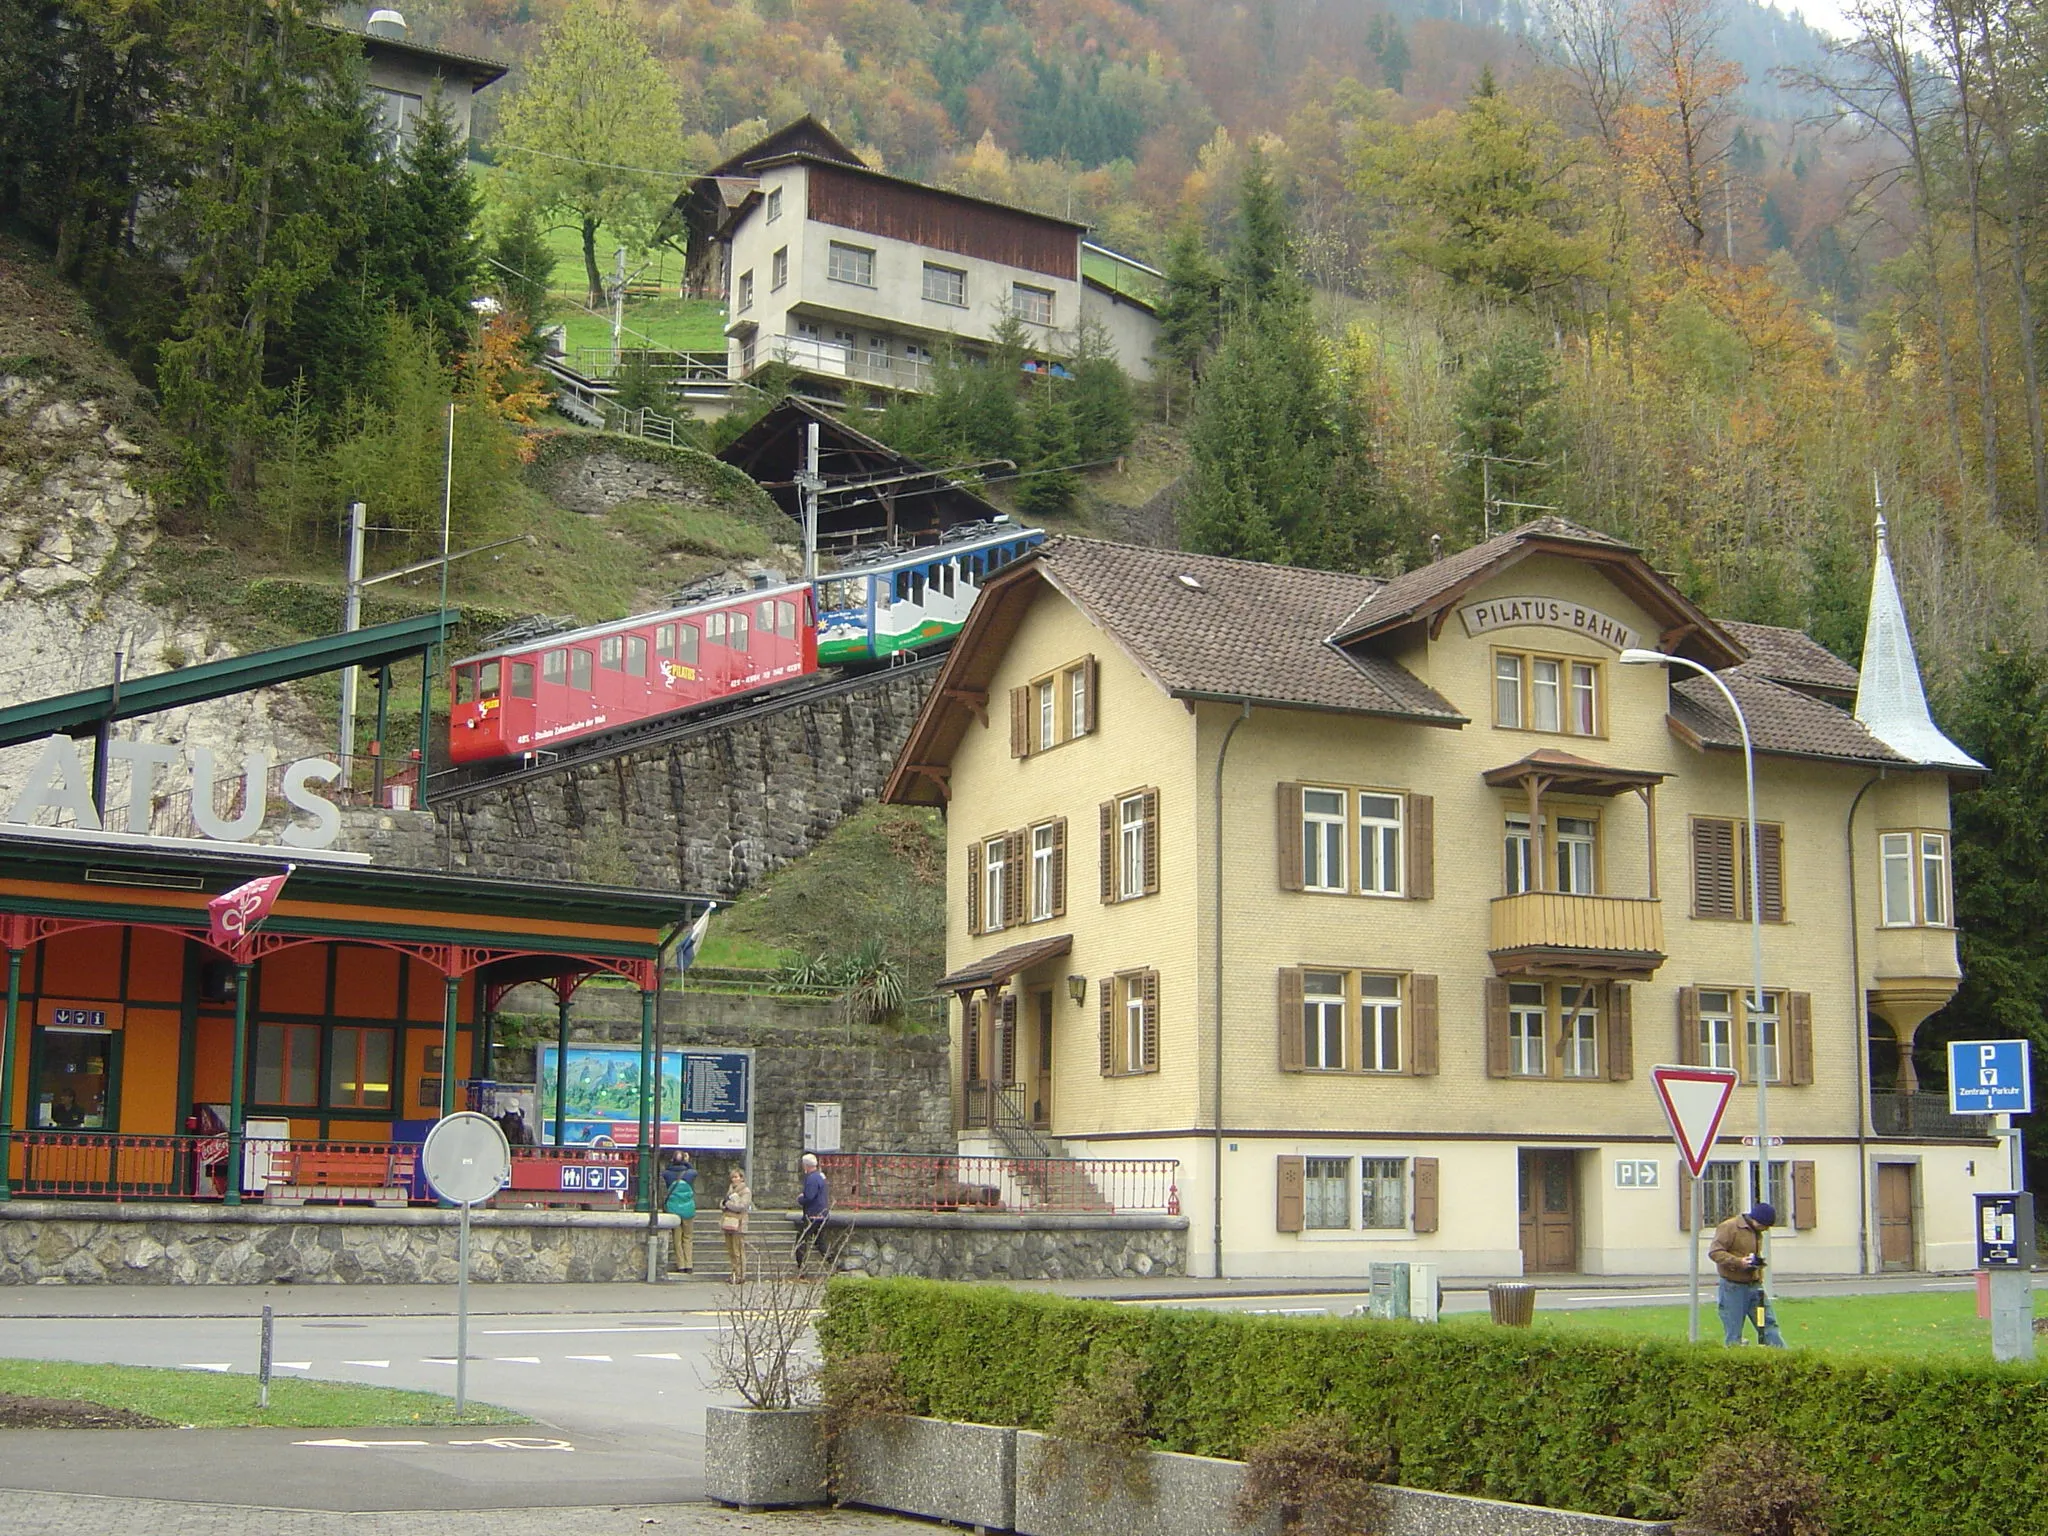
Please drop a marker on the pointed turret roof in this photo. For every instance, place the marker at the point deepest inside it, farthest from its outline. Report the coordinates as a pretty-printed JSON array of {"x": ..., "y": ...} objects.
[{"x": 1890, "y": 700}]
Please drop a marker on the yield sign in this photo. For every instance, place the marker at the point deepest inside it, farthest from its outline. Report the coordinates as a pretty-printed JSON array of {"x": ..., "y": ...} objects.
[{"x": 1694, "y": 1100}]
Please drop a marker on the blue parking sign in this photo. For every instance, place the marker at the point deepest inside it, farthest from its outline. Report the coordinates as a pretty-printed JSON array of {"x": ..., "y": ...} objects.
[{"x": 1989, "y": 1077}]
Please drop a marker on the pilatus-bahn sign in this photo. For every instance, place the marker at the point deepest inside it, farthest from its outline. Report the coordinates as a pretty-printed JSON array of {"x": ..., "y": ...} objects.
[
  {"x": 1547, "y": 613},
  {"x": 60, "y": 783}
]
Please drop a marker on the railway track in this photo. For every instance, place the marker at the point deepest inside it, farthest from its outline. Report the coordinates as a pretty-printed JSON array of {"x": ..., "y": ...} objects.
[{"x": 456, "y": 785}]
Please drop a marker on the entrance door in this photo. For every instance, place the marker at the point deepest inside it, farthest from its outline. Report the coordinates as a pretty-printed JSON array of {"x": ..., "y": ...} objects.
[
  {"x": 1895, "y": 1215},
  {"x": 1550, "y": 1211},
  {"x": 1041, "y": 1094}
]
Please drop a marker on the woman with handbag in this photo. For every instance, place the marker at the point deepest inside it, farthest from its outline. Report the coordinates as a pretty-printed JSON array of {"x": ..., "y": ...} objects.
[{"x": 732, "y": 1222}]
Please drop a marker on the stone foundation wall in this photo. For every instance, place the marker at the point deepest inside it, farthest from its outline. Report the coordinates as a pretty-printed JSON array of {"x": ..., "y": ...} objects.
[
  {"x": 944, "y": 1246},
  {"x": 55, "y": 1242}
]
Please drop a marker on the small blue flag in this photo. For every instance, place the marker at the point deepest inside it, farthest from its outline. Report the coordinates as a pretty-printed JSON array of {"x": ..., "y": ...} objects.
[{"x": 686, "y": 952}]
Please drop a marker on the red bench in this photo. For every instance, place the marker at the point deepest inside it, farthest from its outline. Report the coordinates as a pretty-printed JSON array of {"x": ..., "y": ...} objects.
[{"x": 367, "y": 1175}]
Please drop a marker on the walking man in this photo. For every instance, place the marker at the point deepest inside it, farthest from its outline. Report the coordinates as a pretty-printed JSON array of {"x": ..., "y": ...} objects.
[
  {"x": 1741, "y": 1267},
  {"x": 815, "y": 1201}
]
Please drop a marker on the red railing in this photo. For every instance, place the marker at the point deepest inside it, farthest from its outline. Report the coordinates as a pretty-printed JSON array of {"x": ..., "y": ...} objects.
[
  {"x": 887, "y": 1182},
  {"x": 99, "y": 1165}
]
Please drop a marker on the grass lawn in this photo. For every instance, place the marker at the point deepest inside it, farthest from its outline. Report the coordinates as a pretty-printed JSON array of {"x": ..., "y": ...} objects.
[
  {"x": 1920, "y": 1326},
  {"x": 682, "y": 325},
  {"x": 209, "y": 1400}
]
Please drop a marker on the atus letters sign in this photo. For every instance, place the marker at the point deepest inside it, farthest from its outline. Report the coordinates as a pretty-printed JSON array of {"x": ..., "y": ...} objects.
[
  {"x": 58, "y": 782},
  {"x": 1547, "y": 613}
]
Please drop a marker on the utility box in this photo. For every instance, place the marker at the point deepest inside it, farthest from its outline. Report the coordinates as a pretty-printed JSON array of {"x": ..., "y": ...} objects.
[
  {"x": 821, "y": 1127},
  {"x": 1387, "y": 1296},
  {"x": 1425, "y": 1295}
]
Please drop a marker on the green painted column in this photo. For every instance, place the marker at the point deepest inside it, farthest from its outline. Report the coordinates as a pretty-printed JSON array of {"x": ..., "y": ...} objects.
[
  {"x": 419, "y": 799},
  {"x": 562, "y": 1066},
  {"x": 7, "y": 1044},
  {"x": 648, "y": 1067},
  {"x": 451, "y": 989},
  {"x": 241, "y": 1071}
]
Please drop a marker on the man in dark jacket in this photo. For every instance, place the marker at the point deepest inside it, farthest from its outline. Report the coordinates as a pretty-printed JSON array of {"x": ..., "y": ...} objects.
[
  {"x": 815, "y": 1201},
  {"x": 1741, "y": 1267}
]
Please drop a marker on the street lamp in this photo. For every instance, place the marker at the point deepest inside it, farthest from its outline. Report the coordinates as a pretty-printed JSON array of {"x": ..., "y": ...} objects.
[{"x": 1636, "y": 657}]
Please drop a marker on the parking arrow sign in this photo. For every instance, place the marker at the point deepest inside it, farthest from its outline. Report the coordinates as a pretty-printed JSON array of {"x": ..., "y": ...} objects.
[{"x": 1694, "y": 1100}]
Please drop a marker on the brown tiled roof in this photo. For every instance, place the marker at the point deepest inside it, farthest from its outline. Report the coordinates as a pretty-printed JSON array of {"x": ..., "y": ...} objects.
[
  {"x": 1414, "y": 592},
  {"x": 1569, "y": 770},
  {"x": 1791, "y": 657},
  {"x": 1240, "y": 630},
  {"x": 1782, "y": 720},
  {"x": 993, "y": 970}
]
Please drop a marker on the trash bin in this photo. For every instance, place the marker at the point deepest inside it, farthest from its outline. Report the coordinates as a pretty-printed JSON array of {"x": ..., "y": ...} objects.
[{"x": 1512, "y": 1306}]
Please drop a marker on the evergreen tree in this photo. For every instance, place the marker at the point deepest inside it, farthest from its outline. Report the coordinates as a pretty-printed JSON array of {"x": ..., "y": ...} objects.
[
  {"x": 1105, "y": 417},
  {"x": 1506, "y": 424},
  {"x": 1261, "y": 268},
  {"x": 1189, "y": 309},
  {"x": 521, "y": 266},
  {"x": 1391, "y": 49},
  {"x": 1051, "y": 481},
  {"x": 431, "y": 256}
]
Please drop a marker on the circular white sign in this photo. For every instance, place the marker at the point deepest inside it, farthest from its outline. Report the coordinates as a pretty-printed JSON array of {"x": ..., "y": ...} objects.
[{"x": 467, "y": 1159}]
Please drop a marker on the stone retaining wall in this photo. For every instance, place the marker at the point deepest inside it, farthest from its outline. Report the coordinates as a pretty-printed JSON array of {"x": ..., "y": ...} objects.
[
  {"x": 60, "y": 1242},
  {"x": 944, "y": 1245}
]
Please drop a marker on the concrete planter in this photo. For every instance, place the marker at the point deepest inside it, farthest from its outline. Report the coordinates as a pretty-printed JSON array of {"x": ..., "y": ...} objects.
[
  {"x": 1415, "y": 1512},
  {"x": 762, "y": 1458},
  {"x": 1167, "y": 1494},
  {"x": 934, "y": 1468}
]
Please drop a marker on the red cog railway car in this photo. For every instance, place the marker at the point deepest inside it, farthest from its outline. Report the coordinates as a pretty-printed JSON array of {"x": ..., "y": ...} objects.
[{"x": 590, "y": 682}]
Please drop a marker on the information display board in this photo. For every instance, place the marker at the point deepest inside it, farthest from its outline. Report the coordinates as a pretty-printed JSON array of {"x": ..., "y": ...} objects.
[{"x": 705, "y": 1096}]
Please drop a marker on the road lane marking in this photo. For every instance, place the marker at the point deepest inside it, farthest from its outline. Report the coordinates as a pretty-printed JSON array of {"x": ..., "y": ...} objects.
[
  {"x": 606, "y": 1359},
  {"x": 1630, "y": 1296},
  {"x": 206, "y": 1367},
  {"x": 517, "y": 1359},
  {"x": 291, "y": 1365},
  {"x": 375, "y": 1365},
  {"x": 652, "y": 1328},
  {"x": 518, "y": 1443},
  {"x": 357, "y": 1445},
  {"x": 671, "y": 1355}
]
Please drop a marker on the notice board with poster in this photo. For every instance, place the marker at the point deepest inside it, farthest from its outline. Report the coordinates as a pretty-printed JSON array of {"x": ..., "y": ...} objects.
[{"x": 706, "y": 1096}]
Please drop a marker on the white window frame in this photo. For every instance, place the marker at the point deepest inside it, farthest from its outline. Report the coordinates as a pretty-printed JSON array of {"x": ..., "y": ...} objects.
[
  {"x": 1771, "y": 1025},
  {"x": 1716, "y": 1044},
  {"x": 778, "y": 269},
  {"x": 1721, "y": 1192},
  {"x": 1325, "y": 1023},
  {"x": 951, "y": 285},
  {"x": 854, "y": 264},
  {"x": 1521, "y": 1050},
  {"x": 1934, "y": 883},
  {"x": 1048, "y": 692},
  {"x": 1507, "y": 690},
  {"x": 1779, "y": 1182},
  {"x": 1130, "y": 813},
  {"x": 1031, "y": 304},
  {"x": 1519, "y": 852},
  {"x": 1386, "y": 1178},
  {"x": 743, "y": 292},
  {"x": 1578, "y": 1030},
  {"x": 1577, "y": 845},
  {"x": 1379, "y": 1022},
  {"x": 1041, "y": 872},
  {"x": 1077, "y": 702},
  {"x": 1133, "y": 988},
  {"x": 1895, "y": 859},
  {"x": 1382, "y": 844},
  {"x": 995, "y": 865},
  {"x": 774, "y": 204},
  {"x": 1320, "y": 1201},
  {"x": 1325, "y": 834}
]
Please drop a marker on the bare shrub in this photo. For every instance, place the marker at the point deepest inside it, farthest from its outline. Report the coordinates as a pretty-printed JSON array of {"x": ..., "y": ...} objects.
[
  {"x": 1755, "y": 1486},
  {"x": 762, "y": 1350},
  {"x": 1098, "y": 1430},
  {"x": 1321, "y": 1476}
]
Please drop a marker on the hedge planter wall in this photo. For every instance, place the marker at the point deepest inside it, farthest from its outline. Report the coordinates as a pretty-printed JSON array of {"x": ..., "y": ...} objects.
[{"x": 1570, "y": 1423}]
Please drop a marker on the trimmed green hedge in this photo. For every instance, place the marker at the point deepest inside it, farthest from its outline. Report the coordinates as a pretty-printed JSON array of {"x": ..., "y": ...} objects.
[{"x": 1508, "y": 1414}]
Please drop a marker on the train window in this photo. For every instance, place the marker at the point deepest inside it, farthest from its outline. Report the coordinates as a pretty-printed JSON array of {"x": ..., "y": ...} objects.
[
  {"x": 736, "y": 635},
  {"x": 554, "y": 667},
  {"x": 522, "y": 679},
  {"x": 579, "y": 668},
  {"x": 785, "y": 620},
  {"x": 465, "y": 685},
  {"x": 714, "y": 628},
  {"x": 917, "y": 586},
  {"x": 636, "y": 655},
  {"x": 764, "y": 616},
  {"x": 665, "y": 640},
  {"x": 611, "y": 651},
  {"x": 487, "y": 683},
  {"x": 883, "y": 596},
  {"x": 902, "y": 586},
  {"x": 980, "y": 567},
  {"x": 686, "y": 644},
  {"x": 946, "y": 578}
]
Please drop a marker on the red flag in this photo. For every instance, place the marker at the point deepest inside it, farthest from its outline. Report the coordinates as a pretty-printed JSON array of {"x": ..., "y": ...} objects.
[{"x": 233, "y": 916}]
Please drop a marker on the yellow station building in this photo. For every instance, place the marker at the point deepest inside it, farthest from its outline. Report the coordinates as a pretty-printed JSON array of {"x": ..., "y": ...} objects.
[{"x": 1374, "y": 902}]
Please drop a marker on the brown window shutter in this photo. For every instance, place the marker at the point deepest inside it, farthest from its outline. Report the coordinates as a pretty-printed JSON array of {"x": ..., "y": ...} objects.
[
  {"x": 970, "y": 1040},
  {"x": 1421, "y": 847},
  {"x": 1688, "y": 1026},
  {"x": 974, "y": 886},
  {"x": 1422, "y": 1030},
  {"x": 1151, "y": 842},
  {"x": 1006, "y": 1044},
  {"x": 1093, "y": 673},
  {"x": 1771, "y": 869},
  {"x": 1059, "y": 867},
  {"x": 1713, "y": 868},
  {"x": 1292, "y": 1191},
  {"x": 1425, "y": 1194},
  {"x": 1621, "y": 1032},
  {"x": 1105, "y": 996},
  {"x": 1685, "y": 1200},
  {"x": 1151, "y": 1042},
  {"x": 1109, "y": 881},
  {"x": 1803, "y": 1216},
  {"x": 1020, "y": 722},
  {"x": 1801, "y": 1022},
  {"x": 1016, "y": 877},
  {"x": 1496, "y": 1027},
  {"x": 1291, "y": 1050},
  {"x": 1289, "y": 833}
]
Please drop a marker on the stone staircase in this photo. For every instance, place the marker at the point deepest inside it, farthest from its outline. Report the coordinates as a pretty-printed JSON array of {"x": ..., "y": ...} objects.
[
  {"x": 771, "y": 1239},
  {"x": 1043, "y": 1173}
]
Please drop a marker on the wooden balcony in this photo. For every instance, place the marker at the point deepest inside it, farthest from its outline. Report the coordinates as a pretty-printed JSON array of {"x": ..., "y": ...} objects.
[{"x": 1542, "y": 933}]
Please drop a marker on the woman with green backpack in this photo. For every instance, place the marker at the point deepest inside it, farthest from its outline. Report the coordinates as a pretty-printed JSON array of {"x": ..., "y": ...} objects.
[{"x": 682, "y": 1204}]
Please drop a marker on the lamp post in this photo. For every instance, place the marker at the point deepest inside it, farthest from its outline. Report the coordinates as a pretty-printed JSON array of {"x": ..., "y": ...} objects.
[{"x": 1636, "y": 657}]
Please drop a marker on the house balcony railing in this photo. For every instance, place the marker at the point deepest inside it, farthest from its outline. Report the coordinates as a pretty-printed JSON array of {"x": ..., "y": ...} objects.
[
  {"x": 843, "y": 360},
  {"x": 1546, "y": 932},
  {"x": 1923, "y": 1114}
]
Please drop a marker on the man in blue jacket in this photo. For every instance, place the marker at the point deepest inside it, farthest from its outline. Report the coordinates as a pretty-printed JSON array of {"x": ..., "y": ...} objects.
[{"x": 815, "y": 1201}]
